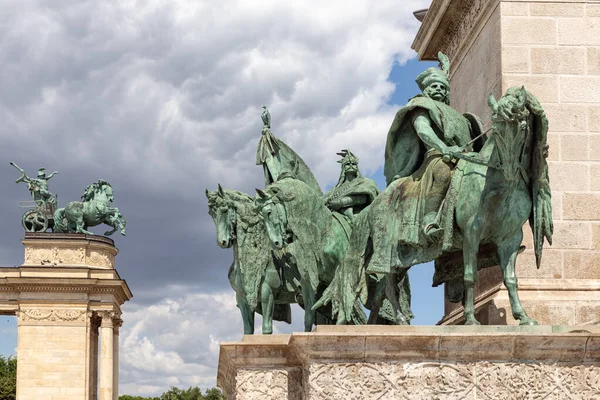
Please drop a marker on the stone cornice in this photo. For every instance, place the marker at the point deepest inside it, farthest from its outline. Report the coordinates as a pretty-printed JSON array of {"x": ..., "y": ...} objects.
[
  {"x": 116, "y": 287},
  {"x": 447, "y": 26}
]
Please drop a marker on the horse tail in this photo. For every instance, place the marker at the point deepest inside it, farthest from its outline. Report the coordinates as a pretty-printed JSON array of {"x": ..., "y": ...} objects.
[{"x": 59, "y": 223}]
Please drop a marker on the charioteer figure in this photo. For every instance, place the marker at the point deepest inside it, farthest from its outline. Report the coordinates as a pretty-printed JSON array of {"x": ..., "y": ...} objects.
[{"x": 38, "y": 187}]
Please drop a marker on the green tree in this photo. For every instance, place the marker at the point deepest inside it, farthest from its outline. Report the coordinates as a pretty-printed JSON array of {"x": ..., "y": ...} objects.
[
  {"x": 8, "y": 378},
  {"x": 193, "y": 393}
]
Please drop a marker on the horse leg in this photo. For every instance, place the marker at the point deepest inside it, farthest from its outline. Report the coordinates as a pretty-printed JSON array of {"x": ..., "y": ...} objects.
[
  {"x": 268, "y": 286},
  {"x": 470, "y": 249},
  {"x": 507, "y": 253},
  {"x": 242, "y": 303},
  {"x": 309, "y": 296},
  {"x": 392, "y": 292},
  {"x": 247, "y": 314},
  {"x": 377, "y": 299}
]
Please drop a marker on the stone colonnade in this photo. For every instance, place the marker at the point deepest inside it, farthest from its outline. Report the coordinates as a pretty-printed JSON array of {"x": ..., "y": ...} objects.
[{"x": 67, "y": 298}]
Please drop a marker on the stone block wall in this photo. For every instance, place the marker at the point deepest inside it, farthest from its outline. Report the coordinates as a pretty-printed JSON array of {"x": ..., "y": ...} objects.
[
  {"x": 51, "y": 359},
  {"x": 478, "y": 73},
  {"x": 553, "y": 49}
]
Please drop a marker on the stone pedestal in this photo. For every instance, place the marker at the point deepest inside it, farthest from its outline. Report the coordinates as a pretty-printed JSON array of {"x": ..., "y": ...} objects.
[
  {"x": 553, "y": 48},
  {"x": 404, "y": 362},
  {"x": 65, "y": 291}
]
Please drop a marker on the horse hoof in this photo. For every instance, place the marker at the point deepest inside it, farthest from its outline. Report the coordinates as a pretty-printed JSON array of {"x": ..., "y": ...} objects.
[
  {"x": 472, "y": 322},
  {"x": 528, "y": 321},
  {"x": 267, "y": 331}
]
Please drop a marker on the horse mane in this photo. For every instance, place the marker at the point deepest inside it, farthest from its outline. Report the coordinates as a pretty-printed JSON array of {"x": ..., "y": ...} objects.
[{"x": 91, "y": 190}]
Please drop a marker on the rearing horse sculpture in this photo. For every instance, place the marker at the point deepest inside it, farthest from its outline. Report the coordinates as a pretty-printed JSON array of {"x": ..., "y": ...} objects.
[{"x": 495, "y": 192}]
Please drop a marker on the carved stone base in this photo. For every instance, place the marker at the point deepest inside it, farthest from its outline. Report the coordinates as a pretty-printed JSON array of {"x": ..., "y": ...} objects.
[
  {"x": 69, "y": 250},
  {"x": 413, "y": 362},
  {"x": 549, "y": 301}
]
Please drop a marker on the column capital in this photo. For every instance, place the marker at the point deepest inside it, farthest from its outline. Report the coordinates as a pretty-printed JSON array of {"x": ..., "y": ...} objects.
[
  {"x": 117, "y": 323},
  {"x": 108, "y": 318}
]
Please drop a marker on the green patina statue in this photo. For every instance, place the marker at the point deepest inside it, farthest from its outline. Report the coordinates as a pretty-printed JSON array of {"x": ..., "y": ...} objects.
[
  {"x": 353, "y": 192},
  {"x": 451, "y": 197},
  {"x": 94, "y": 209},
  {"x": 278, "y": 159},
  {"x": 454, "y": 195},
  {"x": 38, "y": 187},
  {"x": 256, "y": 275},
  {"x": 39, "y": 217}
]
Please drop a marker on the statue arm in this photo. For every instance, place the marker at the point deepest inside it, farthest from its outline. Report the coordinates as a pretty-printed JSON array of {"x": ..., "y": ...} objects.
[
  {"x": 23, "y": 177},
  {"x": 422, "y": 125},
  {"x": 51, "y": 175}
]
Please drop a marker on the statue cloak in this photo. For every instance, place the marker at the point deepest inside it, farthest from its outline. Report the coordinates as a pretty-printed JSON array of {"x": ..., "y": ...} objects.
[
  {"x": 398, "y": 238},
  {"x": 278, "y": 159}
]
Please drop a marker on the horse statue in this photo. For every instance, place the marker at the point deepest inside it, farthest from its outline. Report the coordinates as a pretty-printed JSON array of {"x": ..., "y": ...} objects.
[
  {"x": 492, "y": 194},
  {"x": 301, "y": 227},
  {"x": 254, "y": 272},
  {"x": 93, "y": 210}
]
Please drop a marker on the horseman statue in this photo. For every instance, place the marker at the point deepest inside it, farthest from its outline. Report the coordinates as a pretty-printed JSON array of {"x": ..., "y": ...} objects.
[
  {"x": 353, "y": 192},
  {"x": 454, "y": 196},
  {"x": 422, "y": 141}
]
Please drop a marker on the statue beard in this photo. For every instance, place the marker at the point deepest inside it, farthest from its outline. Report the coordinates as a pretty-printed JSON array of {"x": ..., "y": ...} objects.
[{"x": 429, "y": 93}]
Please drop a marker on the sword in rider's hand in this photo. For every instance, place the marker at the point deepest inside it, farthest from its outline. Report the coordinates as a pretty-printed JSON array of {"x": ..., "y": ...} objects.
[{"x": 448, "y": 158}]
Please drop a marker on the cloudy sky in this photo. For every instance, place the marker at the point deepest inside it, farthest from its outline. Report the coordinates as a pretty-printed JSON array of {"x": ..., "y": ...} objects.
[{"x": 162, "y": 99}]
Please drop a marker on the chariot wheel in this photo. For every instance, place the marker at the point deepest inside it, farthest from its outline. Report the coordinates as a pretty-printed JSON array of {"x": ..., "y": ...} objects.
[{"x": 34, "y": 221}]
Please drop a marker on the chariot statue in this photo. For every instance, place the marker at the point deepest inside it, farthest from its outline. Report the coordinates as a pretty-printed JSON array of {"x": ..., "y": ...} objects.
[{"x": 40, "y": 214}]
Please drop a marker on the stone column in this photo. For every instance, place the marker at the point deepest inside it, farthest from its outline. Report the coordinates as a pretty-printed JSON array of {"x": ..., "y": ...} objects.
[
  {"x": 117, "y": 324},
  {"x": 93, "y": 368},
  {"x": 106, "y": 355}
]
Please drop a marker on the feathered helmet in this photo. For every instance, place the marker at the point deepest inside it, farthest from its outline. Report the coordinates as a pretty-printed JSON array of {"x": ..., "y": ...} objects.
[
  {"x": 41, "y": 173},
  {"x": 347, "y": 157},
  {"x": 433, "y": 74}
]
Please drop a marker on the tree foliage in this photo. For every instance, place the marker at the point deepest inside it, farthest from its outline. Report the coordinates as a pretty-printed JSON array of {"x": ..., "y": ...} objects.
[
  {"x": 8, "y": 378},
  {"x": 193, "y": 393}
]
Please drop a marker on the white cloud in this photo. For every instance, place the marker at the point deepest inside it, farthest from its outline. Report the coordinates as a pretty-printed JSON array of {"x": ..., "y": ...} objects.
[
  {"x": 176, "y": 86},
  {"x": 176, "y": 341}
]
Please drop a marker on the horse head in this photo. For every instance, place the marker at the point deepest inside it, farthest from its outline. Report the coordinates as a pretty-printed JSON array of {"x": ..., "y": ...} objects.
[
  {"x": 223, "y": 212},
  {"x": 510, "y": 125},
  {"x": 101, "y": 190},
  {"x": 274, "y": 217}
]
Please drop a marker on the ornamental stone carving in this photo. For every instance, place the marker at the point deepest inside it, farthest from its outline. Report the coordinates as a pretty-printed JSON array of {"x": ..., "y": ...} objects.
[
  {"x": 462, "y": 19},
  {"x": 441, "y": 381},
  {"x": 262, "y": 385},
  {"x": 73, "y": 254},
  {"x": 52, "y": 315},
  {"x": 100, "y": 258}
]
